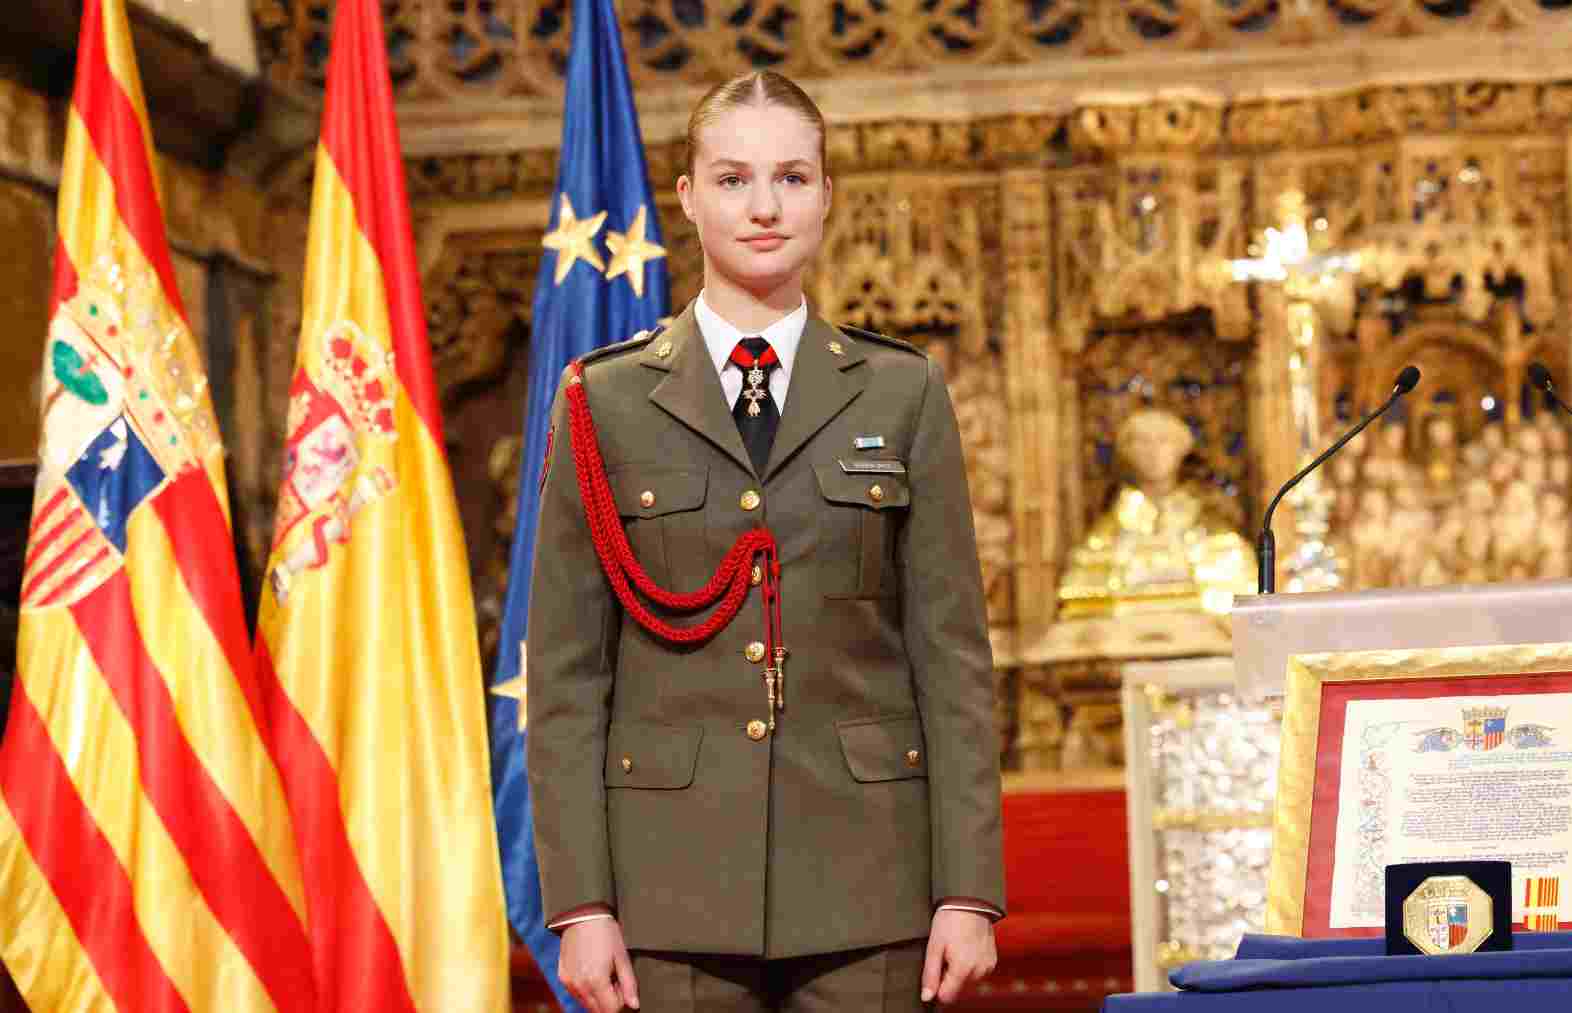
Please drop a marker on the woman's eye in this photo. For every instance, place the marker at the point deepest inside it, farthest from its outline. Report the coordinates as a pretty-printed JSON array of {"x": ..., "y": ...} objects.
[
  {"x": 795, "y": 177},
  {"x": 730, "y": 181}
]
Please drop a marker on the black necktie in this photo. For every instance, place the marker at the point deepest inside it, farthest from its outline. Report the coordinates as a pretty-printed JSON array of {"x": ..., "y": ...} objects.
[{"x": 755, "y": 411}]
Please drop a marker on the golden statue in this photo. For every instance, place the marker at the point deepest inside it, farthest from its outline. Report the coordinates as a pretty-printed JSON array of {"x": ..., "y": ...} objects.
[{"x": 1159, "y": 547}]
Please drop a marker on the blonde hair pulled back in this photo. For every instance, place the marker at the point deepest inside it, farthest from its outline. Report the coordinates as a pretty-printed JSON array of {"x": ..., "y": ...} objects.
[{"x": 758, "y": 88}]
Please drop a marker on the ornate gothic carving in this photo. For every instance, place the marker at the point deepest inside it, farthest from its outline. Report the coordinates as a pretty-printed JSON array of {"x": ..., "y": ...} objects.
[
  {"x": 1472, "y": 483},
  {"x": 478, "y": 290},
  {"x": 1142, "y": 243},
  {"x": 1033, "y": 379},
  {"x": 900, "y": 250},
  {"x": 484, "y": 48}
]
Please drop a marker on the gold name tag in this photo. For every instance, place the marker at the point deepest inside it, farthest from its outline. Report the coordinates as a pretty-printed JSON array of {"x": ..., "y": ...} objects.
[{"x": 866, "y": 466}]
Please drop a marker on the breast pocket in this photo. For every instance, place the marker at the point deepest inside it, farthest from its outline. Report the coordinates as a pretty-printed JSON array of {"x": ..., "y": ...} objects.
[
  {"x": 884, "y": 748},
  {"x": 663, "y": 514},
  {"x": 660, "y": 757},
  {"x": 862, "y": 515}
]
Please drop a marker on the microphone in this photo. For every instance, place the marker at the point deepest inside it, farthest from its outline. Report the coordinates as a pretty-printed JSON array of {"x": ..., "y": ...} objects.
[
  {"x": 1539, "y": 376},
  {"x": 1266, "y": 544}
]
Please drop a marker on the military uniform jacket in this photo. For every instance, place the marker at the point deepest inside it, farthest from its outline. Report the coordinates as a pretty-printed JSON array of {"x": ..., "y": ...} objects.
[{"x": 878, "y": 792}]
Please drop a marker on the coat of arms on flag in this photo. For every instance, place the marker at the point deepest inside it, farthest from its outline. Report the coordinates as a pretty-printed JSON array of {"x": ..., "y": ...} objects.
[
  {"x": 327, "y": 476},
  {"x": 123, "y": 412}
]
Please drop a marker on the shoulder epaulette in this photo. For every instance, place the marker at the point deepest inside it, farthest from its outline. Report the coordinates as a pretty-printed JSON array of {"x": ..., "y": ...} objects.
[
  {"x": 883, "y": 339},
  {"x": 638, "y": 341}
]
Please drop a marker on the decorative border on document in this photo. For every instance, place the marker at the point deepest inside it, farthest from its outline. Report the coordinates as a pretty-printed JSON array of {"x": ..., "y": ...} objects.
[{"x": 1306, "y": 818}]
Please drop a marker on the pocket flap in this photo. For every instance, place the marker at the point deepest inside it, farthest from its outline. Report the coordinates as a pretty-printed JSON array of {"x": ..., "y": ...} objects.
[
  {"x": 884, "y": 749},
  {"x": 648, "y": 492},
  {"x": 652, "y": 756},
  {"x": 877, "y": 492}
]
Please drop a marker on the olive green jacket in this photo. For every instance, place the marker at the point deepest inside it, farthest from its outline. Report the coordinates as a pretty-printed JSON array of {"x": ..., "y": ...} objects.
[{"x": 878, "y": 792}]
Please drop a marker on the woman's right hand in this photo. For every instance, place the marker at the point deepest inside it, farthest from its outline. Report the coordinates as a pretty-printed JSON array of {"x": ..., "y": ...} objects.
[{"x": 594, "y": 966}]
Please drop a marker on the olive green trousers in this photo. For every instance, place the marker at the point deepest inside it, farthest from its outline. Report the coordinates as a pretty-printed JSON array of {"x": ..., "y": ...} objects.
[{"x": 884, "y": 979}]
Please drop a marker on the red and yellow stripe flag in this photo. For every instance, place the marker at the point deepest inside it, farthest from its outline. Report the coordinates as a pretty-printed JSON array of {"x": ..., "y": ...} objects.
[
  {"x": 146, "y": 858},
  {"x": 366, "y": 644}
]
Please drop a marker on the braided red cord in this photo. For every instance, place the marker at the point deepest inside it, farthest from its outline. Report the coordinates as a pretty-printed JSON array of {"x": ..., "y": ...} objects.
[{"x": 728, "y": 585}]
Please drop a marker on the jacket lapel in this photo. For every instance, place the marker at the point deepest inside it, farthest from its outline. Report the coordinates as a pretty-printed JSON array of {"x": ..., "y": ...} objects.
[
  {"x": 691, "y": 391},
  {"x": 822, "y": 383}
]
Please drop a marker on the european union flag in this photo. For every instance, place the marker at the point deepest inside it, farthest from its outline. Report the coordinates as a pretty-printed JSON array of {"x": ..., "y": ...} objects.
[{"x": 602, "y": 280}]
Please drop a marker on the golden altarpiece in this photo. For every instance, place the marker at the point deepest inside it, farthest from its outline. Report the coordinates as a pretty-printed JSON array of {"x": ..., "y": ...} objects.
[{"x": 1163, "y": 249}]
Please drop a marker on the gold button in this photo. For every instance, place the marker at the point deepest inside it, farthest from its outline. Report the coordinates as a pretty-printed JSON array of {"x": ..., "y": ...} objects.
[
  {"x": 757, "y": 576},
  {"x": 646, "y": 499},
  {"x": 627, "y": 764},
  {"x": 836, "y": 349},
  {"x": 913, "y": 758},
  {"x": 757, "y": 730},
  {"x": 754, "y": 652},
  {"x": 876, "y": 493},
  {"x": 664, "y": 350},
  {"x": 750, "y": 500}
]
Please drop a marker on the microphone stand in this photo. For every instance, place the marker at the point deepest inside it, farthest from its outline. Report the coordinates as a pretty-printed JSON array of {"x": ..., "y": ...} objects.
[{"x": 1266, "y": 542}]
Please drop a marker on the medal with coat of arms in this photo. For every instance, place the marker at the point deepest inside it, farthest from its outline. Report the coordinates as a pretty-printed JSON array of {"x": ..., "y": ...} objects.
[
  {"x": 328, "y": 478},
  {"x": 126, "y": 412},
  {"x": 1447, "y": 914}
]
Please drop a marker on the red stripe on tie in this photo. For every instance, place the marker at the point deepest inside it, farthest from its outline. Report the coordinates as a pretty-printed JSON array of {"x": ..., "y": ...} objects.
[
  {"x": 360, "y": 135},
  {"x": 112, "y": 123},
  {"x": 219, "y": 852},
  {"x": 357, "y": 958},
  {"x": 744, "y": 359},
  {"x": 86, "y": 878}
]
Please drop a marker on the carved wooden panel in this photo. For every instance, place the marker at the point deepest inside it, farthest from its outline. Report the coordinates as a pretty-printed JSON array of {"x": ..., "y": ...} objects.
[
  {"x": 519, "y": 47},
  {"x": 897, "y": 260}
]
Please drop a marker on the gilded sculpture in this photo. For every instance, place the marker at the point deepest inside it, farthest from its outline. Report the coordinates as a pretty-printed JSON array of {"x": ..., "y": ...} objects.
[
  {"x": 1159, "y": 547},
  {"x": 1446, "y": 511}
]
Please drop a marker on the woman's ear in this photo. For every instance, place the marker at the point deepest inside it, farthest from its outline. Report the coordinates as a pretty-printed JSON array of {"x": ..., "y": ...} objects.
[
  {"x": 829, "y": 192},
  {"x": 685, "y": 195}
]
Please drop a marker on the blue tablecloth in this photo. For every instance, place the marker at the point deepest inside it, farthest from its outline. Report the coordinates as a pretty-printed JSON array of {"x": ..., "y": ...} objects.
[{"x": 1273, "y": 974}]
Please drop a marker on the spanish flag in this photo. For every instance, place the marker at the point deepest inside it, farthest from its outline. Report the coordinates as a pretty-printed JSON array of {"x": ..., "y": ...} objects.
[
  {"x": 366, "y": 642},
  {"x": 146, "y": 858}
]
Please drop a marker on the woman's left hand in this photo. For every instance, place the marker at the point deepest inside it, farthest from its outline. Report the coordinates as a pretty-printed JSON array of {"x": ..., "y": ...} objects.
[{"x": 960, "y": 951}]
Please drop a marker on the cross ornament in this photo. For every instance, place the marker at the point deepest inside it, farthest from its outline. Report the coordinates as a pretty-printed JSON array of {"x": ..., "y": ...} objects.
[
  {"x": 1309, "y": 285},
  {"x": 755, "y": 393}
]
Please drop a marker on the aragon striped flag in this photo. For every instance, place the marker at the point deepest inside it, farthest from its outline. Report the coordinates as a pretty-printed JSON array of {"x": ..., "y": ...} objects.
[
  {"x": 367, "y": 642},
  {"x": 146, "y": 859}
]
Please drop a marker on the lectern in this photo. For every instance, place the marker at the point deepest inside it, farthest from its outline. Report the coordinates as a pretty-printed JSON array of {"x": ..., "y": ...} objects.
[
  {"x": 1418, "y": 725},
  {"x": 1271, "y": 629}
]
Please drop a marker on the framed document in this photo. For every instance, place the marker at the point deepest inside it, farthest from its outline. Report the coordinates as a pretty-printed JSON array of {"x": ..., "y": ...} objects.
[{"x": 1442, "y": 754}]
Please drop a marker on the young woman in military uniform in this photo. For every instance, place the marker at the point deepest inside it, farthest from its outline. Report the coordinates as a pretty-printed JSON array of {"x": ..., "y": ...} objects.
[{"x": 795, "y": 807}]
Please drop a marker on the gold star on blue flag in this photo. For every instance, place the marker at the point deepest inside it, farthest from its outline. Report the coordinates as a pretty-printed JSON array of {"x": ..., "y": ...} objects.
[
  {"x": 574, "y": 240},
  {"x": 630, "y": 251}
]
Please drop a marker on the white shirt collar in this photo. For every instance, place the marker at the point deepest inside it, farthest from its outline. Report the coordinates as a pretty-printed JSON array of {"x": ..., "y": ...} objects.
[{"x": 720, "y": 336}]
